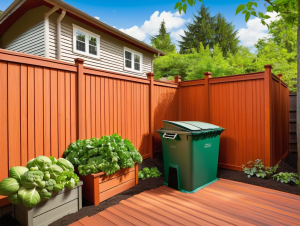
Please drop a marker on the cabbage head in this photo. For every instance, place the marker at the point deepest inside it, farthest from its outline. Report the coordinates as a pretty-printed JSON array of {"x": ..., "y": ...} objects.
[
  {"x": 42, "y": 162},
  {"x": 30, "y": 164},
  {"x": 21, "y": 192},
  {"x": 45, "y": 194},
  {"x": 17, "y": 171},
  {"x": 71, "y": 183},
  {"x": 30, "y": 197},
  {"x": 14, "y": 199},
  {"x": 31, "y": 179},
  {"x": 9, "y": 186},
  {"x": 55, "y": 171},
  {"x": 65, "y": 164}
]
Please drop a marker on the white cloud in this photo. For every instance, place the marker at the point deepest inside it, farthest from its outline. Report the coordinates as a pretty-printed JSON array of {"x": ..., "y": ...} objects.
[
  {"x": 255, "y": 30},
  {"x": 151, "y": 27},
  {"x": 98, "y": 18},
  {"x": 134, "y": 32},
  {"x": 177, "y": 34}
]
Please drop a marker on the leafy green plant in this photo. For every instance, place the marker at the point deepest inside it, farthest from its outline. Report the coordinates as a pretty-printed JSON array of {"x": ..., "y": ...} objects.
[
  {"x": 36, "y": 182},
  {"x": 258, "y": 169},
  {"x": 107, "y": 154},
  {"x": 147, "y": 173},
  {"x": 286, "y": 177}
]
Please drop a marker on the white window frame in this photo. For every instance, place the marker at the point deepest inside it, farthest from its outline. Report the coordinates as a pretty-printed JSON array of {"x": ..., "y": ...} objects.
[
  {"x": 132, "y": 60},
  {"x": 87, "y": 34}
]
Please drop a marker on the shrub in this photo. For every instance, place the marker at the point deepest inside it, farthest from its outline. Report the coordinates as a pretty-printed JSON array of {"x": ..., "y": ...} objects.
[
  {"x": 147, "y": 173},
  {"x": 258, "y": 169},
  {"x": 287, "y": 177}
]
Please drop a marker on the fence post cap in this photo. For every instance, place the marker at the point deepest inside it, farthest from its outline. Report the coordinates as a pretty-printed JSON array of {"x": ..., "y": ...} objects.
[
  {"x": 207, "y": 73},
  {"x": 79, "y": 61},
  {"x": 280, "y": 75},
  {"x": 268, "y": 66},
  {"x": 178, "y": 77},
  {"x": 150, "y": 74}
]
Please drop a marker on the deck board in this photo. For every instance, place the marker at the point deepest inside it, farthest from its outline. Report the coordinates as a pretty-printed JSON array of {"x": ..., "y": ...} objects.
[{"x": 224, "y": 202}]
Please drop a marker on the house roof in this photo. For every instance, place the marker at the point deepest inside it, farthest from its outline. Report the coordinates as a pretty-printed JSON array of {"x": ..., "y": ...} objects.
[{"x": 19, "y": 7}]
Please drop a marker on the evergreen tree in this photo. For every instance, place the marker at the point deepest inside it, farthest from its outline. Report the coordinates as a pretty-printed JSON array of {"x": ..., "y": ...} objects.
[
  {"x": 209, "y": 31},
  {"x": 162, "y": 41}
]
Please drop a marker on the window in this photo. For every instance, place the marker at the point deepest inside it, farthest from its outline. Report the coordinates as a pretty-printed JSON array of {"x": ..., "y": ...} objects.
[
  {"x": 86, "y": 42},
  {"x": 132, "y": 60}
]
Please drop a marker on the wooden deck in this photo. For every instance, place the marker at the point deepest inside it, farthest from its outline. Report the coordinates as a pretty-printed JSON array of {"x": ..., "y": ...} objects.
[{"x": 221, "y": 203}]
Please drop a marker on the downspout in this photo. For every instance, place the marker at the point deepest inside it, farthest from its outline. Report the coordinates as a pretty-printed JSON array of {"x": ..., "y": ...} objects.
[
  {"x": 47, "y": 14},
  {"x": 58, "y": 33},
  {"x": 152, "y": 67}
]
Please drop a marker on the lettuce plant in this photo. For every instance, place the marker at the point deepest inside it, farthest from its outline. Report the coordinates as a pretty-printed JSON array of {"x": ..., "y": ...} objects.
[
  {"x": 37, "y": 181},
  {"x": 287, "y": 177},
  {"x": 107, "y": 154},
  {"x": 258, "y": 169}
]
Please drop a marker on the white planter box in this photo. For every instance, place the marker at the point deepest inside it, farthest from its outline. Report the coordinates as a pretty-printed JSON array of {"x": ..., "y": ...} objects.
[{"x": 65, "y": 202}]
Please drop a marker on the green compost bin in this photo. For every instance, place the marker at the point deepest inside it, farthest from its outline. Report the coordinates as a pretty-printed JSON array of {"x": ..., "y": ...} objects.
[{"x": 190, "y": 153}]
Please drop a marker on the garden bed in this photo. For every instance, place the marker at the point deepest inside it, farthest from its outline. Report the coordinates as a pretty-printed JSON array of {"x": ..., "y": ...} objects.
[{"x": 288, "y": 165}]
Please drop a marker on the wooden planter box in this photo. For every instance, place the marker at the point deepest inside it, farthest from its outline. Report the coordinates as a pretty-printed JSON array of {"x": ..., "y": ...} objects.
[
  {"x": 64, "y": 203},
  {"x": 99, "y": 187}
]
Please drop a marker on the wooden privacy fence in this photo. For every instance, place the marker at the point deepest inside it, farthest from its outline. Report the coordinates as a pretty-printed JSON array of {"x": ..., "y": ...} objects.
[
  {"x": 47, "y": 104},
  {"x": 253, "y": 109}
]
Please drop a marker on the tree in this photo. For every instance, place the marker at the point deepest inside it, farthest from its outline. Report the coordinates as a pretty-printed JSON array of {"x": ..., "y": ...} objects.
[
  {"x": 209, "y": 31},
  {"x": 162, "y": 41}
]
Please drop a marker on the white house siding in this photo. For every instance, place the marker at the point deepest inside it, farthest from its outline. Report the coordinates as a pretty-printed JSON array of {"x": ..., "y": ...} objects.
[
  {"x": 27, "y": 34},
  {"x": 111, "y": 49}
]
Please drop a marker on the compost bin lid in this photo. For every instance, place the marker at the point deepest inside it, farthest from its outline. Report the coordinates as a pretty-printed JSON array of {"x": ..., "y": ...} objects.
[{"x": 193, "y": 125}]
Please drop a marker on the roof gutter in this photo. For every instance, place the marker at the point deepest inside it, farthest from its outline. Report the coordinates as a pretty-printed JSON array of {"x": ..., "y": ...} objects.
[
  {"x": 11, "y": 9},
  {"x": 115, "y": 31},
  {"x": 47, "y": 14}
]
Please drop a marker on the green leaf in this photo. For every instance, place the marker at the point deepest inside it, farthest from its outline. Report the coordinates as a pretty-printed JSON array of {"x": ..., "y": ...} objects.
[
  {"x": 267, "y": 17},
  {"x": 190, "y": 3},
  {"x": 261, "y": 15},
  {"x": 254, "y": 13},
  {"x": 255, "y": 4},
  {"x": 245, "y": 11},
  {"x": 180, "y": 9},
  {"x": 249, "y": 5},
  {"x": 183, "y": 1},
  {"x": 184, "y": 8},
  {"x": 270, "y": 8},
  {"x": 239, "y": 9},
  {"x": 177, "y": 5}
]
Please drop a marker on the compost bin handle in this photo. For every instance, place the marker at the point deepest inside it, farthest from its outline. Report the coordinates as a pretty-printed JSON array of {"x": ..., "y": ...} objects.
[{"x": 170, "y": 135}]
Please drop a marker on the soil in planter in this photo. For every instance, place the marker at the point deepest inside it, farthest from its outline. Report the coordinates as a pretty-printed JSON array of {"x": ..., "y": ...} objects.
[{"x": 288, "y": 165}]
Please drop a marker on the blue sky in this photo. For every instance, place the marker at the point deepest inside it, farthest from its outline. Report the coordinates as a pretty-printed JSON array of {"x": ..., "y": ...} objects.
[{"x": 130, "y": 16}]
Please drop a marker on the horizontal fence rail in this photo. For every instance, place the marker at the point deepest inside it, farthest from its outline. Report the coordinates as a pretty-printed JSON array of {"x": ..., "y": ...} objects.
[{"x": 47, "y": 104}]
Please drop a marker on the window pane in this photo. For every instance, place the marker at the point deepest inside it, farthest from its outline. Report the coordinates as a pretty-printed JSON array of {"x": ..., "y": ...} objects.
[
  {"x": 136, "y": 66},
  {"x": 80, "y": 46},
  {"x": 137, "y": 58},
  {"x": 80, "y": 41},
  {"x": 128, "y": 63},
  {"x": 80, "y": 36},
  {"x": 93, "y": 50},
  {"x": 128, "y": 55},
  {"x": 93, "y": 41}
]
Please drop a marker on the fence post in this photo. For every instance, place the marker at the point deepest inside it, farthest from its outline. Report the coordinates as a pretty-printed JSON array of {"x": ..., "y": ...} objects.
[
  {"x": 280, "y": 118},
  {"x": 268, "y": 119},
  {"x": 80, "y": 99},
  {"x": 150, "y": 76},
  {"x": 177, "y": 79},
  {"x": 208, "y": 75}
]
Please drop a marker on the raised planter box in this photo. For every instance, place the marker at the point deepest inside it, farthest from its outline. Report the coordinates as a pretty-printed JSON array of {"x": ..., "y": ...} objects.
[
  {"x": 64, "y": 203},
  {"x": 99, "y": 187}
]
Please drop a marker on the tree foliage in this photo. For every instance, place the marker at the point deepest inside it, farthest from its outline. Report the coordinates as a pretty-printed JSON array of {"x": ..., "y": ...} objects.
[
  {"x": 210, "y": 30},
  {"x": 162, "y": 41},
  {"x": 279, "y": 50}
]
